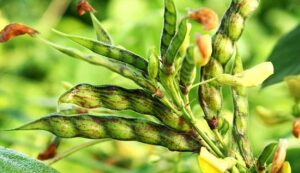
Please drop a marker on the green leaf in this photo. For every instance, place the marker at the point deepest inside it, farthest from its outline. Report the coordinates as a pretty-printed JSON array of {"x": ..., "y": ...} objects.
[
  {"x": 14, "y": 162},
  {"x": 102, "y": 34},
  {"x": 266, "y": 154},
  {"x": 285, "y": 57}
]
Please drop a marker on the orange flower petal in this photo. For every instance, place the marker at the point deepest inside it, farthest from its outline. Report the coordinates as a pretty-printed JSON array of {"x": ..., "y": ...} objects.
[
  {"x": 84, "y": 6},
  {"x": 12, "y": 30},
  {"x": 205, "y": 16},
  {"x": 296, "y": 128}
]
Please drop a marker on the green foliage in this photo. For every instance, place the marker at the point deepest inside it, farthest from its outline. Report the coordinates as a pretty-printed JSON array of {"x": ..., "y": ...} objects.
[
  {"x": 266, "y": 154},
  {"x": 285, "y": 57},
  {"x": 14, "y": 162}
]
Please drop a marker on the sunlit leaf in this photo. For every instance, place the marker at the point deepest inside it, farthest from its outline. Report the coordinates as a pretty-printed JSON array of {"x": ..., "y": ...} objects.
[{"x": 14, "y": 162}]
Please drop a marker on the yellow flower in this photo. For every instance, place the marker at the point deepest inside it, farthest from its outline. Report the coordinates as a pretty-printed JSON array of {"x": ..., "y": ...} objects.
[
  {"x": 210, "y": 164},
  {"x": 248, "y": 78},
  {"x": 293, "y": 83},
  {"x": 286, "y": 168}
]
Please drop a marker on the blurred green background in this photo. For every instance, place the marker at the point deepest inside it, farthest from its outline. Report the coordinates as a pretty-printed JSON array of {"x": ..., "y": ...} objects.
[{"x": 31, "y": 76}]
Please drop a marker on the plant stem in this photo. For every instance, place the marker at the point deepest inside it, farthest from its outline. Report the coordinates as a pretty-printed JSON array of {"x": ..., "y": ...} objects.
[
  {"x": 219, "y": 138},
  {"x": 210, "y": 144},
  {"x": 75, "y": 149},
  {"x": 241, "y": 113},
  {"x": 203, "y": 82}
]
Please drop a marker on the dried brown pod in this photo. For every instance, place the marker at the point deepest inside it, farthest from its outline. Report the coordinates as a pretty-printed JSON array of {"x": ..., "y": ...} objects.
[
  {"x": 205, "y": 16},
  {"x": 12, "y": 30},
  {"x": 84, "y": 6}
]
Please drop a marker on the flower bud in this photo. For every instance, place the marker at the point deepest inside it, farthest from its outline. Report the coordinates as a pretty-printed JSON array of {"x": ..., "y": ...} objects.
[
  {"x": 248, "y": 78},
  {"x": 153, "y": 65},
  {"x": 279, "y": 156},
  {"x": 203, "y": 54},
  {"x": 205, "y": 16},
  {"x": 270, "y": 117},
  {"x": 296, "y": 128},
  {"x": 12, "y": 30},
  {"x": 210, "y": 164},
  {"x": 84, "y": 6},
  {"x": 293, "y": 83}
]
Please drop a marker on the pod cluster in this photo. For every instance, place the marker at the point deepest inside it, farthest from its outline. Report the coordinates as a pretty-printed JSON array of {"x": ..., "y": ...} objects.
[{"x": 230, "y": 30}]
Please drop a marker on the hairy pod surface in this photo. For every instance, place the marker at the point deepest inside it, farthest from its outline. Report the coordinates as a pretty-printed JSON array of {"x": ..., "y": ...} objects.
[
  {"x": 102, "y": 34},
  {"x": 176, "y": 42},
  {"x": 234, "y": 26},
  {"x": 135, "y": 75},
  {"x": 211, "y": 99},
  {"x": 188, "y": 70},
  {"x": 169, "y": 25},
  {"x": 127, "y": 129},
  {"x": 240, "y": 117},
  {"x": 118, "y": 98},
  {"x": 222, "y": 48},
  {"x": 110, "y": 51}
]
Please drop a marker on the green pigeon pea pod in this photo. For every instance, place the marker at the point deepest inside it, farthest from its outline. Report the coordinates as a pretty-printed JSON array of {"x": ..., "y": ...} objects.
[
  {"x": 176, "y": 44},
  {"x": 223, "y": 42},
  {"x": 182, "y": 50},
  {"x": 169, "y": 25},
  {"x": 265, "y": 155},
  {"x": 119, "y": 128},
  {"x": 109, "y": 51},
  {"x": 102, "y": 34},
  {"x": 210, "y": 98},
  {"x": 153, "y": 65},
  {"x": 240, "y": 117},
  {"x": 135, "y": 75},
  {"x": 223, "y": 48},
  {"x": 118, "y": 98},
  {"x": 231, "y": 28},
  {"x": 188, "y": 71}
]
